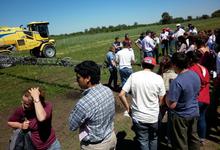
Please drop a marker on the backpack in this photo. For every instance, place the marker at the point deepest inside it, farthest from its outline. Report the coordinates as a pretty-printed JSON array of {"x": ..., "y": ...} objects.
[{"x": 20, "y": 140}]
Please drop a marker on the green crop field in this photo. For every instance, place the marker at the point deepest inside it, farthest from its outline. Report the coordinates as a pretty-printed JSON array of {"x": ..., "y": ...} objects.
[{"x": 60, "y": 83}]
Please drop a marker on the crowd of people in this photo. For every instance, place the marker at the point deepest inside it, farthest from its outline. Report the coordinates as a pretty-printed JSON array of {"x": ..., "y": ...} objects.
[
  {"x": 177, "y": 95},
  {"x": 189, "y": 63}
]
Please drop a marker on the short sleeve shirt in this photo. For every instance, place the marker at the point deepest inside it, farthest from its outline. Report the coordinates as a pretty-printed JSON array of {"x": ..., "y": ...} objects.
[
  {"x": 42, "y": 134},
  {"x": 184, "y": 90},
  {"x": 146, "y": 87},
  {"x": 110, "y": 56}
]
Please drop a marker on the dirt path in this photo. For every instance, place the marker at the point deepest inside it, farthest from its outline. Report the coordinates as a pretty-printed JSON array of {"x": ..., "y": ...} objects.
[{"x": 69, "y": 140}]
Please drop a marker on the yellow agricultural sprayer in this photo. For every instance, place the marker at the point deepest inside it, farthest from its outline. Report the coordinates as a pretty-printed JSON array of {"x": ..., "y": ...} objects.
[{"x": 35, "y": 38}]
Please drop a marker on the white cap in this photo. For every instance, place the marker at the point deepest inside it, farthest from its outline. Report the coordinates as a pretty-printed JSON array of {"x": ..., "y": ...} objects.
[{"x": 178, "y": 25}]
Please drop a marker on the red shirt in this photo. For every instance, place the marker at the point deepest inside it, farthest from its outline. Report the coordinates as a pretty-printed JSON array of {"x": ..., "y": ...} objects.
[
  {"x": 203, "y": 73},
  {"x": 42, "y": 133}
]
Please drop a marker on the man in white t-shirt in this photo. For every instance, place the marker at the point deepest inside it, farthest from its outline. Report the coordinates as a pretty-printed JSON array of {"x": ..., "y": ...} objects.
[
  {"x": 179, "y": 31},
  {"x": 147, "y": 91},
  {"x": 125, "y": 58}
]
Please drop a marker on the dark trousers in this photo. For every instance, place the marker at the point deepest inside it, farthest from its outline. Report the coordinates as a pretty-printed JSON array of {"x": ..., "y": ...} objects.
[
  {"x": 172, "y": 46},
  {"x": 183, "y": 132},
  {"x": 156, "y": 54},
  {"x": 165, "y": 47},
  {"x": 113, "y": 77}
]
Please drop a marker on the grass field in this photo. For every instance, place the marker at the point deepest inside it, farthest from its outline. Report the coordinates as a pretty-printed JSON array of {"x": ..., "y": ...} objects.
[{"x": 61, "y": 88}]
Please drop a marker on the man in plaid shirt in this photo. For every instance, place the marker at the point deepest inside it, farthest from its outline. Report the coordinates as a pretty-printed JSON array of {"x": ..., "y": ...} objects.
[{"x": 94, "y": 112}]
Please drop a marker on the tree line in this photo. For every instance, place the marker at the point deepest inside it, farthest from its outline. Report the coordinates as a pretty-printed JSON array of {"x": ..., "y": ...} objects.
[{"x": 166, "y": 18}]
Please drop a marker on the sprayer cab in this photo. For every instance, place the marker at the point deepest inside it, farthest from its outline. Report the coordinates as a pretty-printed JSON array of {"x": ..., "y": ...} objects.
[{"x": 41, "y": 27}]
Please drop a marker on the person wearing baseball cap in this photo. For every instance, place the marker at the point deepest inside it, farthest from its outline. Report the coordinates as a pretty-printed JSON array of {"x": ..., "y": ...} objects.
[
  {"x": 149, "y": 61},
  {"x": 179, "y": 32},
  {"x": 147, "y": 89},
  {"x": 178, "y": 25}
]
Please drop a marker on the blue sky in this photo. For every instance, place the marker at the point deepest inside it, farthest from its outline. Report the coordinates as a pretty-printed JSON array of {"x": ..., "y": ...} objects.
[{"x": 67, "y": 16}]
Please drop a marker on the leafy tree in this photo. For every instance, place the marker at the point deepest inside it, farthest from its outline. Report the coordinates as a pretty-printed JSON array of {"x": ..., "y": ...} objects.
[
  {"x": 189, "y": 18},
  {"x": 205, "y": 17},
  {"x": 216, "y": 13},
  {"x": 166, "y": 18},
  {"x": 92, "y": 30},
  {"x": 178, "y": 20},
  {"x": 98, "y": 29},
  {"x": 110, "y": 28},
  {"x": 86, "y": 30},
  {"x": 135, "y": 24},
  {"x": 104, "y": 29}
]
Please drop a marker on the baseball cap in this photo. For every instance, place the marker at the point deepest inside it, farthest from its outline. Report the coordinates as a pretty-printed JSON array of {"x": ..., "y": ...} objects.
[
  {"x": 149, "y": 60},
  {"x": 167, "y": 29},
  {"x": 178, "y": 24}
]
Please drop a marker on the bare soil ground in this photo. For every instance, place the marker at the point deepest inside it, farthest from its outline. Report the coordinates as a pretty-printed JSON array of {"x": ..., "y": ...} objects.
[{"x": 69, "y": 140}]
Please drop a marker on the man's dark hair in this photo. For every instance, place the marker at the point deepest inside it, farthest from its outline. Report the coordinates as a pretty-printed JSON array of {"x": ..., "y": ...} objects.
[
  {"x": 89, "y": 69},
  {"x": 180, "y": 60},
  {"x": 182, "y": 39},
  {"x": 125, "y": 44},
  {"x": 201, "y": 41},
  {"x": 193, "y": 56},
  {"x": 147, "y": 66},
  {"x": 148, "y": 32}
]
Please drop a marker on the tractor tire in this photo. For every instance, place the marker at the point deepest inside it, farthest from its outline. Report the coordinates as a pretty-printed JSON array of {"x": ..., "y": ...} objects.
[
  {"x": 49, "y": 51},
  {"x": 35, "y": 52}
]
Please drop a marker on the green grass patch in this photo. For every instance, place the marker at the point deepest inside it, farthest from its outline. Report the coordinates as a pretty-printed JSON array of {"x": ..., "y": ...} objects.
[{"x": 59, "y": 82}]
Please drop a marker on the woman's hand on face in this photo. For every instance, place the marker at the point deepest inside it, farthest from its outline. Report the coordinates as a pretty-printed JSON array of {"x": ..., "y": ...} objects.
[{"x": 35, "y": 93}]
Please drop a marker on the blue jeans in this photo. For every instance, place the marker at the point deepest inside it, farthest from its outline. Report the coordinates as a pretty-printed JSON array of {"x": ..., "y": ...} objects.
[
  {"x": 146, "y": 135},
  {"x": 124, "y": 74},
  {"x": 202, "y": 120},
  {"x": 148, "y": 54},
  {"x": 55, "y": 146}
]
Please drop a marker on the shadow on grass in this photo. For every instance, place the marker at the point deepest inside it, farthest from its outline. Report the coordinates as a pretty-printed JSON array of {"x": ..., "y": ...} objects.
[
  {"x": 126, "y": 144},
  {"x": 122, "y": 143}
]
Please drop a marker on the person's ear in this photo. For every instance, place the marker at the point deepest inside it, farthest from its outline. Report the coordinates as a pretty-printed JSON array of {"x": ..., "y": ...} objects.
[{"x": 88, "y": 80}]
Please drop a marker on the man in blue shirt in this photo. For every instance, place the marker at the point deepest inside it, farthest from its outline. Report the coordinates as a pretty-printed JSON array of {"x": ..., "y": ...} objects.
[
  {"x": 182, "y": 101},
  {"x": 111, "y": 60},
  {"x": 94, "y": 113}
]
